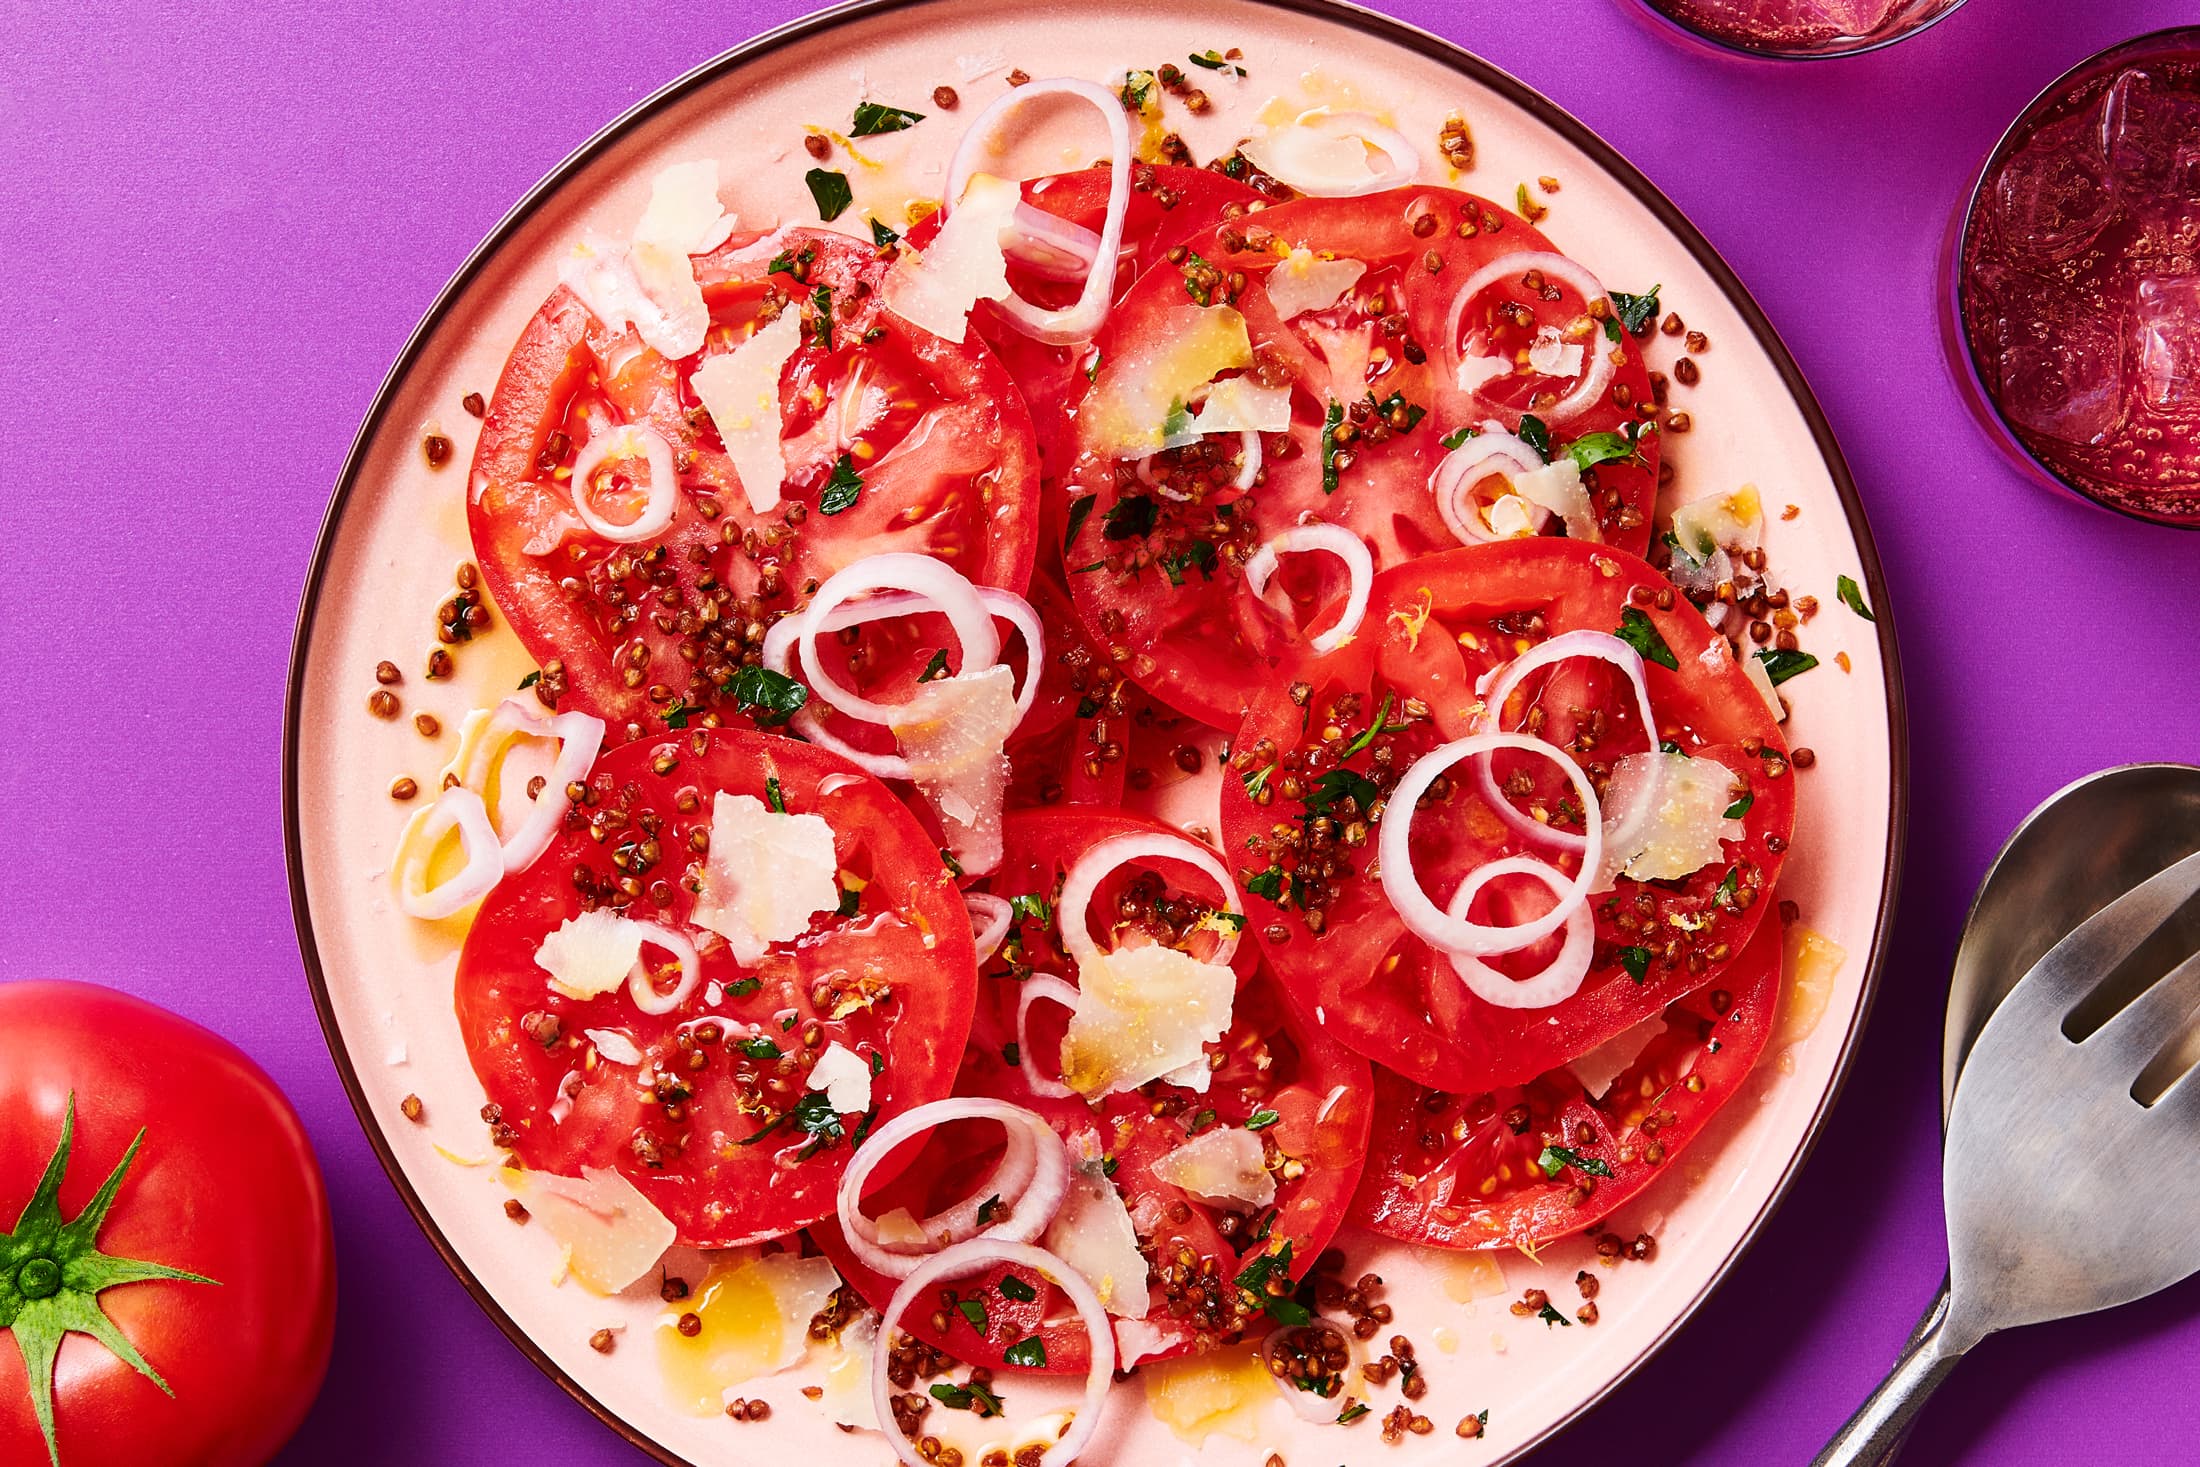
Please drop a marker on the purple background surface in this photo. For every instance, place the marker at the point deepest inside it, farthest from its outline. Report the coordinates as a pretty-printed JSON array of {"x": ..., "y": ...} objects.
[{"x": 220, "y": 221}]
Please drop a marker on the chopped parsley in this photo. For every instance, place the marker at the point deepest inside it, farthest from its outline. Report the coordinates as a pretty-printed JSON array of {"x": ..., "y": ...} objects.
[
  {"x": 873, "y": 118},
  {"x": 1256, "y": 780},
  {"x": 1197, "y": 555},
  {"x": 1635, "y": 312},
  {"x": 773, "y": 795},
  {"x": 744, "y": 987},
  {"x": 1013, "y": 1287},
  {"x": 881, "y": 235},
  {"x": 788, "y": 263},
  {"x": 1852, "y": 596},
  {"x": 1012, "y": 1053},
  {"x": 1640, "y": 633},
  {"x": 935, "y": 669},
  {"x": 1214, "y": 60},
  {"x": 758, "y": 1048},
  {"x": 679, "y": 713},
  {"x": 1741, "y": 806},
  {"x": 1031, "y": 1354},
  {"x": 878, "y": 1063},
  {"x": 1200, "y": 1122},
  {"x": 531, "y": 679},
  {"x": 1394, "y": 403},
  {"x": 1087, "y": 706},
  {"x": 1636, "y": 960},
  {"x": 821, "y": 325},
  {"x": 1730, "y": 887},
  {"x": 1031, "y": 907},
  {"x": 1200, "y": 278},
  {"x": 947, "y": 859},
  {"x": 1331, "y": 422},
  {"x": 1137, "y": 90},
  {"x": 1351, "y": 1413},
  {"x": 1261, "y": 1120},
  {"x": 1556, "y": 1159},
  {"x": 1781, "y": 664},
  {"x": 972, "y": 1397},
  {"x": 842, "y": 489},
  {"x": 813, "y": 1114},
  {"x": 1452, "y": 439},
  {"x": 851, "y": 902},
  {"x": 1591, "y": 449},
  {"x": 1080, "y": 509},
  {"x": 974, "y": 1311},
  {"x": 831, "y": 192},
  {"x": 1549, "y": 1316},
  {"x": 1535, "y": 434},
  {"x": 1254, "y": 1279},
  {"x": 1131, "y": 515},
  {"x": 1337, "y": 786},
  {"x": 766, "y": 696},
  {"x": 1379, "y": 724}
]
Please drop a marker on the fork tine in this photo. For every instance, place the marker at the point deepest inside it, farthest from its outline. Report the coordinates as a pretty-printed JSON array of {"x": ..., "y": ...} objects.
[
  {"x": 2157, "y": 1015},
  {"x": 2071, "y": 968}
]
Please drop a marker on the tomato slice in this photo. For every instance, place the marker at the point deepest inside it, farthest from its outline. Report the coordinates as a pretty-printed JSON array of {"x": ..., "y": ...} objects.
[
  {"x": 652, "y": 632},
  {"x": 1156, "y": 564},
  {"x": 719, "y": 1141},
  {"x": 1307, "y": 1096},
  {"x": 1520, "y": 1165},
  {"x": 1299, "y": 821}
]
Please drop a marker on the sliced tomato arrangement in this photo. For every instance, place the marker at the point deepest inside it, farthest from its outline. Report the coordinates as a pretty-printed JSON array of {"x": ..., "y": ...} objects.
[
  {"x": 893, "y": 439},
  {"x": 1523, "y": 1164},
  {"x": 1314, "y": 766},
  {"x": 1161, "y": 541},
  {"x": 1305, "y": 1096},
  {"x": 725, "y": 1140}
]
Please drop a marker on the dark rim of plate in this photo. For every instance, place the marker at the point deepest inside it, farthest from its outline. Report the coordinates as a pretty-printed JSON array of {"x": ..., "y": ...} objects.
[{"x": 1383, "y": 28}]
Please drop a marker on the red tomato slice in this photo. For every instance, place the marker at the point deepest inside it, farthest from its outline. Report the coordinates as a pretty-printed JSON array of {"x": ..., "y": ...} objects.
[
  {"x": 1155, "y": 565},
  {"x": 1070, "y": 747},
  {"x": 646, "y": 632},
  {"x": 723, "y": 1145},
  {"x": 1306, "y": 838},
  {"x": 1308, "y": 1095},
  {"x": 1486, "y": 1171}
]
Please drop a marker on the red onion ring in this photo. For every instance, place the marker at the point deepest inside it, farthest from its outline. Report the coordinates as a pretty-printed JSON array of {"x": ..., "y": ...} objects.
[
  {"x": 1067, "y": 325},
  {"x": 456, "y": 808},
  {"x": 1338, "y": 541},
  {"x": 1602, "y": 646},
  {"x": 1031, "y": 1180},
  {"x": 1103, "y": 858},
  {"x": 1491, "y": 451},
  {"x": 1561, "y": 978},
  {"x": 974, "y": 1257},
  {"x": 1047, "y": 987},
  {"x": 1049, "y": 247},
  {"x": 1402, "y": 884},
  {"x": 626, "y": 440},
  {"x": 996, "y": 915},
  {"x": 642, "y": 989},
  {"x": 579, "y": 736},
  {"x": 1598, "y": 366}
]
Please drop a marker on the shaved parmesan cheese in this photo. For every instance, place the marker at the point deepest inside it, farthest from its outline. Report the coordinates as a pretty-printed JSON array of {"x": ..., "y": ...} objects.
[
  {"x": 590, "y": 954},
  {"x": 756, "y": 1315},
  {"x": 1219, "y": 1392},
  {"x": 1553, "y": 357},
  {"x": 615, "y": 1045},
  {"x": 611, "y": 1233},
  {"x": 1512, "y": 517},
  {"x": 1141, "y": 399},
  {"x": 1093, "y": 1234},
  {"x": 1474, "y": 371},
  {"x": 1136, "y": 1340},
  {"x": 1557, "y": 488},
  {"x": 846, "y": 1399},
  {"x": 1225, "y": 1165},
  {"x": 844, "y": 1076},
  {"x": 1733, "y": 522},
  {"x": 1346, "y": 353},
  {"x": 1812, "y": 961},
  {"x": 1141, "y": 1013},
  {"x": 740, "y": 391},
  {"x": 1304, "y": 282},
  {"x": 954, "y": 733},
  {"x": 1761, "y": 680},
  {"x": 1597, "y": 1069},
  {"x": 936, "y": 287},
  {"x": 651, "y": 284},
  {"x": 1238, "y": 404},
  {"x": 1665, "y": 816},
  {"x": 767, "y": 875}
]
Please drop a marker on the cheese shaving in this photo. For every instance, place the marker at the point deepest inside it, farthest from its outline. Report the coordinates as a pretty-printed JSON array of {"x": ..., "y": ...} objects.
[
  {"x": 590, "y": 954},
  {"x": 612, "y": 1234},
  {"x": 767, "y": 875},
  {"x": 740, "y": 391},
  {"x": 954, "y": 733},
  {"x": 935, "y": 288},
  {"x": 1302, "y": 281},
  {"x": 1141, "y": 1013}
]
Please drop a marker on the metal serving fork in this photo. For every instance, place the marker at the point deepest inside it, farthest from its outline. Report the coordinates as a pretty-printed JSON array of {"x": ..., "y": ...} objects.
[{"x": 2040, "y": 1131}]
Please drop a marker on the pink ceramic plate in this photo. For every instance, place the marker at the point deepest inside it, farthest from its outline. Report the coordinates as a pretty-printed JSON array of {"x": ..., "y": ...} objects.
[{"x": 397, "y": 528}]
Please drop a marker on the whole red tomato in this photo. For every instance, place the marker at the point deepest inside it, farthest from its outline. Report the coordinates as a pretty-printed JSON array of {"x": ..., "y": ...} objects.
[{"x": 212, "y": 1262}]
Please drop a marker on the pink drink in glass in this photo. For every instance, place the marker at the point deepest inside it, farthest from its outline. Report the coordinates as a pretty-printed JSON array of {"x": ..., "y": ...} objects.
[
  {"x": 1802, "y": 28},
  {"x": 2075, "y": 282}
]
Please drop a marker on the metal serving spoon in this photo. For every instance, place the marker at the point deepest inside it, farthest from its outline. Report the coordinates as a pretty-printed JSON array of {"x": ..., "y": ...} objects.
[{"x": 2098, "y": 1032}]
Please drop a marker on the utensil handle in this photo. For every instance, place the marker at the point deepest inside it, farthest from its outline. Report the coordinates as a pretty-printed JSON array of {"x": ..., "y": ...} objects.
[{"x": 1874, "y": 1435}]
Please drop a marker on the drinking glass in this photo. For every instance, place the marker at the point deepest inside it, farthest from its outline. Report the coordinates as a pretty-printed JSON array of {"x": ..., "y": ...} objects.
[{"x": 1798, "y": 29}]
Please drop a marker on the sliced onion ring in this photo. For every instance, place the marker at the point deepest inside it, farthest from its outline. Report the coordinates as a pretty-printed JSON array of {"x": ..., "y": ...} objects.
[
  {"x": 1049, "y": 247},
  {"x": 1040, "y": 987},
  {"x": 641, "y": 988},
  {"x": 1402, "y": 883},
  {"x": 1598, "y": 367},
  {"x": 990, "y": 918},
  {"x": 579, "y": 737},
  {"x": 974, "y": 1257},
  {"x": 1561, "y": 978},
  {"x": 1491, "y": 451},
  {"x": 627, "y": 440},
  {"x": 456, "y": 808},
  {"x": 1031, "y": 1180},
  {"x": 1338, "y": 541},
  {"x": 1273, "y": 154},
  {"x": 1079, "y": 321},
  {"x": 1602, "y": 646},
  {"x": 1101, "y": 859},
  {"x": 943, "y": 589}
]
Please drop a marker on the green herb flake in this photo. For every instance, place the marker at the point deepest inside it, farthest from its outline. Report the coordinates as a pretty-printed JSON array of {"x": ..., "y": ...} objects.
[
  {"x": 1256, "y": 780},
  {"x": 1030, "y": 1354},
  {"x": 873, "y": 118},
  {"x": 1131, "y": 516},
  {"x": 1852, "y": 596},
  {"x": 767, "y": 696},
  {"x": 1200, "y": 1122},
  {"x": 1331, "y": 422},
  {"x": 1031, "y": 907},
  {"x": 1196, "y": 555},
  {"x": 1261, "y": 1120},
  {"x": 773, "y": 795},
  {"x": 1379, "y": 724},
  {"x": 1269, "y": 884},
  {"x": 1591, "y": 449},
  {"x": 935, "y": 669},
  {"x": 1087, "y": 706},
  {"x": 842, "y": 489},
  {"x": 1013, "y": 1287},
  {"x": 1391, "y": 407},
  {"x": 1556, "y": 1159},
  {"x": 758, "y": 1048},
  {"x": 531, "y": 679},
  {"x": 1351, "y": 1413},
  {"x": 1137, "y": 90},
  {"x": 1730, "y": 887},
  {"x": 1636, "y": 312},
  {"x": 1782, "y": 664},
  {"x": 821, "y": 320},
  {"x": 882, "y": 235},
  {"x": 1636, "y": 960},
  {"x": 1536, "y": 435},
  {"x": 1551, "y": 1316},
  {"x": 973, "y": 1310},
  {"x": 1080, "y": 509},
  {"x": 1012, "y": 1054},
  {"x": 1199, "y": 278},
  {"x": 1453, "y": 439},
  {"x": 1640, "y": 633},
  {"x": 878, "y": 1063},
  {"x": 831, "y": 192},
  {"x": 851, "y": 902},
  {"x": 1338, "y": 785},
  {"x": 1214, "y": 60},
  {"x": 1741, "y": 806},
  {"x": 744, "y": 987}
]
